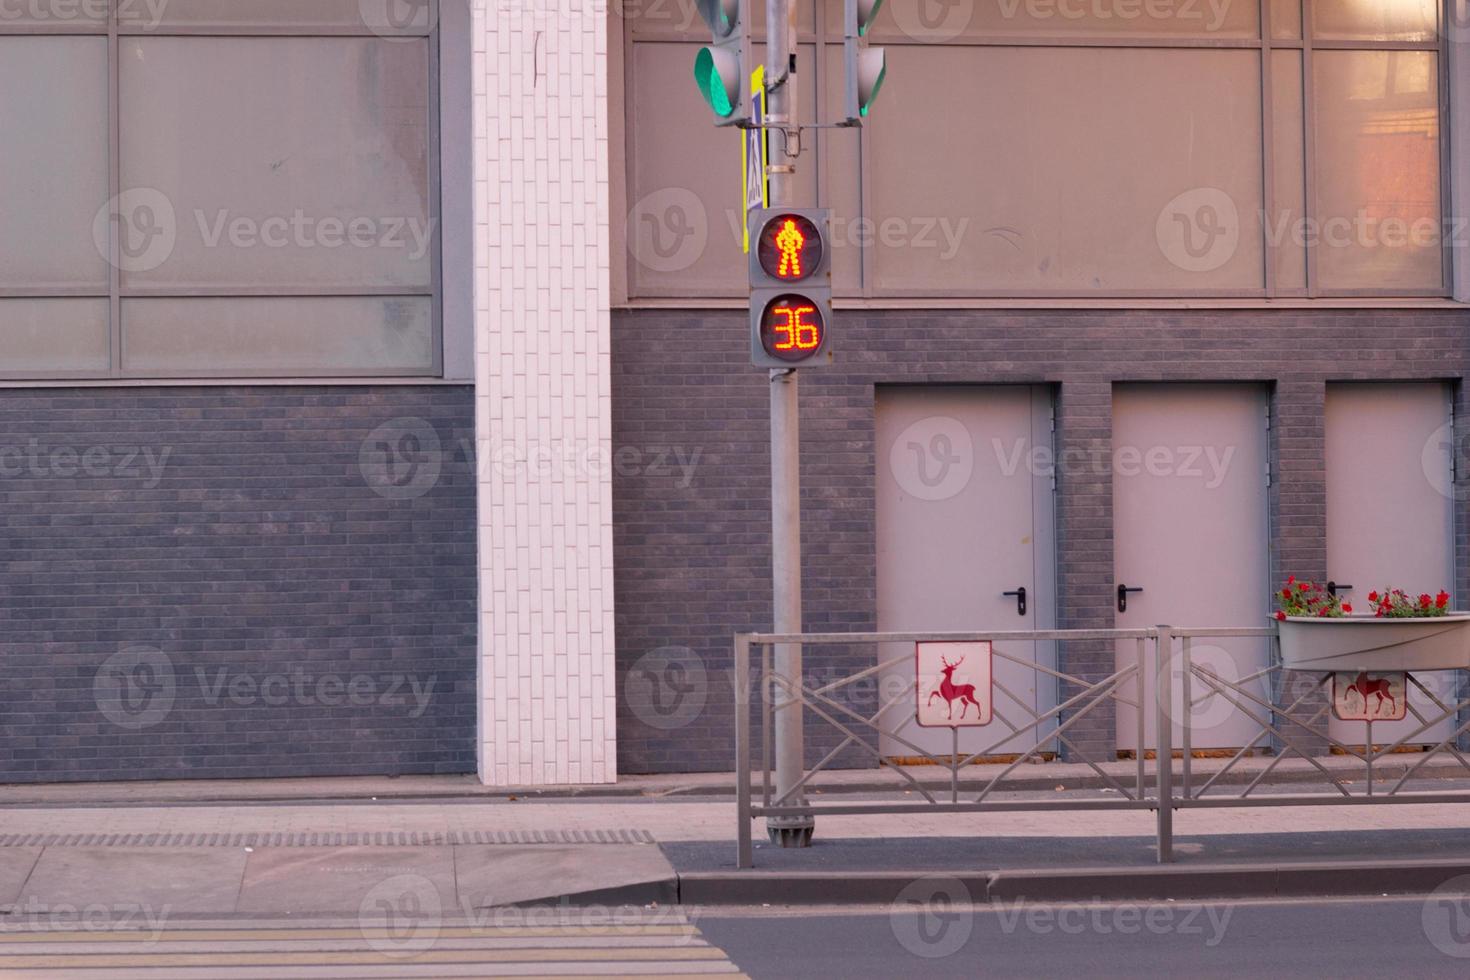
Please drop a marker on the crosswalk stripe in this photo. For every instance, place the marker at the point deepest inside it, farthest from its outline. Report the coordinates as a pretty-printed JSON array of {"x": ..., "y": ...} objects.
[
  {"x": 22, "y": 961},
  {"x": 345, "y": 945},
  {"x": 629, "y": 971},
  {"x": 20, "y": 933},
  {"x": 668, "y": 948}
]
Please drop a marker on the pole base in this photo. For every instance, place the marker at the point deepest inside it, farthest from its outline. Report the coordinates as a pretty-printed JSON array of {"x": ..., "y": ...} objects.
[{"x": 791, "y": 831}]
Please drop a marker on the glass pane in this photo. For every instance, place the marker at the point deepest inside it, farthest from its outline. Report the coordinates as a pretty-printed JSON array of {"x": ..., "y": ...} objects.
[
  {"x": 1285, "y": 222},
  {"x": 1147, "y": 177},
  {"x": 61, "y": 15},
  {"x": 683, "y": 228},
  {"x": 1377, "y": 223},
  {"x": 277, "y": 161},
  {"x": 840, "y": 153},
  {"x": 53, "y": 161},
  {"x": 384, "y": 17},
  {"x": 678, "y": 19},
  {"x": 53, "y": 335},
  {"x": 1286, "y": 19},
  {"x": 285, "y": 336},
  {"x": 931, "y": 22},
  {"x": 1374, "y": 20}
]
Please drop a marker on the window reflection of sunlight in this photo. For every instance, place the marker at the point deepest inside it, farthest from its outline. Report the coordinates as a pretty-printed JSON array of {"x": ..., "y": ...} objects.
[
  {"x": 1378, "y": 161},
  {"x": 1376, "y": 20}
]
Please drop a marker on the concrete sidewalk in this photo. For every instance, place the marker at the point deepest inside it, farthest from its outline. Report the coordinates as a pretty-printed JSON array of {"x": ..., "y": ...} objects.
[{"x": 274, "y": 859}]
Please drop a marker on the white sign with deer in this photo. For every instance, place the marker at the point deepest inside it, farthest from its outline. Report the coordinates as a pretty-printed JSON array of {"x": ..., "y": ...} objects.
[
  {"x": 954, "y": 688},
  {"x": 1361, "y": 696}
]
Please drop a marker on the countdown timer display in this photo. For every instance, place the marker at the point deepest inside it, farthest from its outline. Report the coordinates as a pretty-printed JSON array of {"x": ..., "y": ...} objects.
[
  {"x": 792, "y": 328},
  {"x": 790, "y": 247}
]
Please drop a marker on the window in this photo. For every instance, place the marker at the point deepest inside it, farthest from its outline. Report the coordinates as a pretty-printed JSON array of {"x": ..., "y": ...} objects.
[
  {"x": 219, "y": 188},
  {"x": 1055, "y": 148}
]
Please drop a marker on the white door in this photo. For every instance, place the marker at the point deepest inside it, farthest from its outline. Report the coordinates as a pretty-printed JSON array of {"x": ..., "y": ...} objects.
[
  {"x": 1390, "y": 514},
  {"x": 964, "y": 505},
  {"x": 1190, "y": 529}
]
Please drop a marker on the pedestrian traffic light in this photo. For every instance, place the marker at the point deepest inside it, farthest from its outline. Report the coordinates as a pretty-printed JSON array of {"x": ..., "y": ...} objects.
[
  {"x": 722, "y": 68},
  {"x": 863, "y": 67},
  {"x": 790, "y": 287}
]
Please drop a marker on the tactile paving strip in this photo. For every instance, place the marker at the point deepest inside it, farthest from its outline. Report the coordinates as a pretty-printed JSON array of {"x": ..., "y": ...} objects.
[{"x": 369, "y": 839}]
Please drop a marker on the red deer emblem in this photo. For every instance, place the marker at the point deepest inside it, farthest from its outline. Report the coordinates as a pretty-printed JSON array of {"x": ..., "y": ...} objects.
[
  {"x": 950, "y": 691},
  {"x": 1365, "y": 688}
]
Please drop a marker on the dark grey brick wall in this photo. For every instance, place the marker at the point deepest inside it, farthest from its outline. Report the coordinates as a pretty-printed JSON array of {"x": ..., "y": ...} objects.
[
  {"x": 236, "y": 581},
  {"x": 693, "y": 560}
]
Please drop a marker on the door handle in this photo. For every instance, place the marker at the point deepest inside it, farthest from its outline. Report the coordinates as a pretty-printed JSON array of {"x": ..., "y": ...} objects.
[
  {"x": 1020, "y": 596},
  {"x": 1334, "y": 588},
  {"x": 1123, "y": 591}
]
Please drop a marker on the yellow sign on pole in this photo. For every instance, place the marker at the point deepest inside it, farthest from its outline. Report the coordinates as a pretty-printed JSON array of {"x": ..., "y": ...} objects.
[{"x": 755, "y": 157}]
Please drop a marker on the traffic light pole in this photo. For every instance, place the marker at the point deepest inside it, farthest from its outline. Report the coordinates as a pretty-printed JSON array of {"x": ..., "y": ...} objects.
[{"x": 781, "y": 105}]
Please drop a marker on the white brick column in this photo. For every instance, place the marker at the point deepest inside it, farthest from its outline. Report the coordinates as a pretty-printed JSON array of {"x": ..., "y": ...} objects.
[{"x": 543, "y": 425}]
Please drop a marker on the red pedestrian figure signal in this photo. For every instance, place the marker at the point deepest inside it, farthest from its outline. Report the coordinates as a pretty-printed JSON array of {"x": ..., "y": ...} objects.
[
  {"x": 790, "y": 240},
  {"x": 790, "y": 247}
]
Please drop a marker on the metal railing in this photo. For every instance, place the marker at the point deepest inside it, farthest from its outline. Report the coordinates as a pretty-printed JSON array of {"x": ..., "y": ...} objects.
[
  {"x": 1047, "y": 728},
  {"x": 1028, "y": 732},
  {"x": 1297, "y": 724}
]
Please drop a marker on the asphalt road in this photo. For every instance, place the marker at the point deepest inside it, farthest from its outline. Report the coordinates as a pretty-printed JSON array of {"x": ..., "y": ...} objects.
[{"x": 1339, "y": 939}]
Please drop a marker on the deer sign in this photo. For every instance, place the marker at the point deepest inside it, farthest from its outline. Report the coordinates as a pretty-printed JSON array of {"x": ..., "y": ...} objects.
[
  {"x": 1366, "y": 688},
  {"x": 952, "y": 692}
]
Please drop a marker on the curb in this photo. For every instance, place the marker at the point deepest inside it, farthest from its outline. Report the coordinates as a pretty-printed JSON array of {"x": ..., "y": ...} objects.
[
  {"x": 1174, "y": 882},
  {"x": 47, "y": 795}
]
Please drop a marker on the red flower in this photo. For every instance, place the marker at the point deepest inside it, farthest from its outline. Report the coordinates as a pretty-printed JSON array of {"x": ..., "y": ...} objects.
[
  {"x": 1291, "y": 580},
  {"x": 1303, "y": 586},
  {"x": 1372, "y": 596},
  {"x": 1280, "y": 615},
  {"x": 1424, "y": 600},
  {"x": 1442, "y": 600},
  {"x": 1323, "y": 611},
  {"x": 1346, "y": 608}
]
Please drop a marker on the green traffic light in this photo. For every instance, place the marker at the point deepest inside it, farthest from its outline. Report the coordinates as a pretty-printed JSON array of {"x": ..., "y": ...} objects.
[
  {"x": 714, "y": 84},
  {"x": 872, "y": 69}
]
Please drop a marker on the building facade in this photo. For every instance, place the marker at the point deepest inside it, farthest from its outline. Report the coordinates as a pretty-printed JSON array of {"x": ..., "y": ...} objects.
[{"x": 375, "y": 389}]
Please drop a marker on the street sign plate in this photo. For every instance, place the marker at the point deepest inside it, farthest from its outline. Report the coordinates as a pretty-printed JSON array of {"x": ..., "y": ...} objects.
[
  {"x": 953, "y": 687},
  {"x": 755, "y": 154},
  {"x": 1361, "y": 696}
]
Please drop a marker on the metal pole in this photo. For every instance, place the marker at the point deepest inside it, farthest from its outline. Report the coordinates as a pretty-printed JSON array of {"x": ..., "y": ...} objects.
[
  {"x": 1164, "y": 739},
  {"x": 1368, "y": 749},
  {"x": 785, "y": 449},
  {"x": 743, "y": 856}
]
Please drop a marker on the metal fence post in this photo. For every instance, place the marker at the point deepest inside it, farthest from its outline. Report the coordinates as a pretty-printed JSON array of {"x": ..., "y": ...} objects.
[
  {"x": 1164, "y": 738},
  {"x": 743, "y": 854}
]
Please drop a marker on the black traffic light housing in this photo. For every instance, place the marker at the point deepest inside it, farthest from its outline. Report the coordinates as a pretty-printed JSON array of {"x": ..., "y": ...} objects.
[
  {"x": 790, "y": 287},
  {"x": 722, "y": 68}
]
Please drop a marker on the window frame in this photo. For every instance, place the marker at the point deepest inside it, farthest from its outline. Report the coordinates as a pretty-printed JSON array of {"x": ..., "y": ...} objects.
[
  {"x": 825, "y": 34},
  {"x": 114, "y": 31}
]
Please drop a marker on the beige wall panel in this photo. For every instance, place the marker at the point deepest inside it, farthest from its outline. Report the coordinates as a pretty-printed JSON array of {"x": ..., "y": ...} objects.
[
  {"x": 933, "y": 22},
  {"x": 1285, "y": 221},
  {"x": 1076, "y": 170},
  {"x": 840, "y": 154},
  {"x": 682, "y": 233},
  {"x": 59, "y": 335},
  {"x": 667, "y": 19}
]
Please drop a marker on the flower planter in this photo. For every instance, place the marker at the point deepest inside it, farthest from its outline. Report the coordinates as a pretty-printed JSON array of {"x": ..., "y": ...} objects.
[{"x": 1371, "y": 643}]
